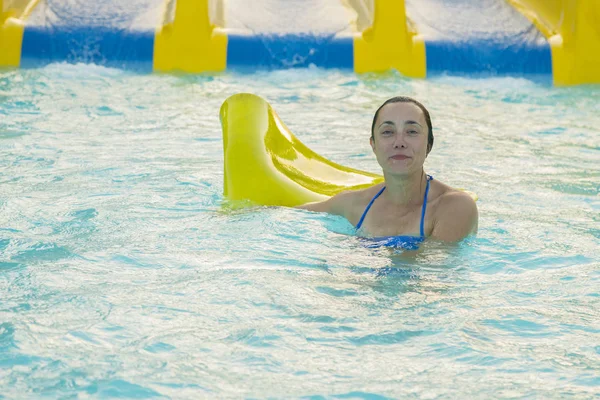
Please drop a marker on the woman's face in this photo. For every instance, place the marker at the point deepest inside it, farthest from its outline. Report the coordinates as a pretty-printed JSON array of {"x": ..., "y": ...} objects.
[{"x": 400, "y": 138}]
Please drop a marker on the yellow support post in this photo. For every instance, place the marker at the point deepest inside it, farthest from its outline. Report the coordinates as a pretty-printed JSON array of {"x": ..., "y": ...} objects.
[
  {"x": 572, "y": 28},
  {"x": 190, "y": 43},
  {"x": 11, "y": 37},
  {"x": 390, "y": 43}
]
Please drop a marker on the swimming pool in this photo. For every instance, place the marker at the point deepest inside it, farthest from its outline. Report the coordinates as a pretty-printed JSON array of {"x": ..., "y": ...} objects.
[{"x": 122, "y": 274}]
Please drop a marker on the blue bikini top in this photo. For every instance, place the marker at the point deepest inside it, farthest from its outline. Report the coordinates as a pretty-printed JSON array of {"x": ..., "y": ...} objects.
[{"x": 405, "y": 242}]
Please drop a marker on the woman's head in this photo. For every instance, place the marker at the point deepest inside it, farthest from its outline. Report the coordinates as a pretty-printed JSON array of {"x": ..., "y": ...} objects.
[
  {"x": 401, "y": 135},
  {"x": 403, "y": 99}
]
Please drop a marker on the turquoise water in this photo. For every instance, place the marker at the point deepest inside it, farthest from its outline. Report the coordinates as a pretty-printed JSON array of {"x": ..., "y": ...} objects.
[{"x": 121, "y": 274}]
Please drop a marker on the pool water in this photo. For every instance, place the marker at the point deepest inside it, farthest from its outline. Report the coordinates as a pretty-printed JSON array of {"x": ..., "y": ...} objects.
[{"x": 124, "y": 274}]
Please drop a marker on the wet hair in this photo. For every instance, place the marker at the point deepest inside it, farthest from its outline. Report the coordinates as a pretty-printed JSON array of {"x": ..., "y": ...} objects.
[{"x": 403, "y": 99}]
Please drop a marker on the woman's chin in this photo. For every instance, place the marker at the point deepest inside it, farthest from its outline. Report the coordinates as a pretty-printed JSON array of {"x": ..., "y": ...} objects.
[{"x": 400, "y": 172}]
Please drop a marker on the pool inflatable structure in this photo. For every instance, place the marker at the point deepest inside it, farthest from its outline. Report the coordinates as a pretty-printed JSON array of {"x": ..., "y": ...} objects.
[
  {"x": 267, "y": 165},
  {"x": 559, "y": 39}
]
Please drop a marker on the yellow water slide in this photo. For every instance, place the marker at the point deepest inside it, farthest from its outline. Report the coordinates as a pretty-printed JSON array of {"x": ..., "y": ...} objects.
[
  {"x": 572, "y": 28},
  {"x": 188, "y": 40}
]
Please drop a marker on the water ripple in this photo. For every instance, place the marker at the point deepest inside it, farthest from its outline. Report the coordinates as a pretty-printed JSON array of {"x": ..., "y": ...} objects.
[{"x": 124, "y": 272}]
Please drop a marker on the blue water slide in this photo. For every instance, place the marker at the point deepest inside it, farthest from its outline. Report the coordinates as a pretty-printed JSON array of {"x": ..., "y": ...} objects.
[
  {"x": 289, "y": 51},
  {"x": 117, "y": 33},
  {"x": 278, "y": 34},
  {"x": 479, "y": 36},
  {"x": 461, "y": 37}
]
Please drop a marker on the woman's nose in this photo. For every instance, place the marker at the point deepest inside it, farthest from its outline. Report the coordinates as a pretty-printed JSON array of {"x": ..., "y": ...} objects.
[{"x": 399, "y": 141}]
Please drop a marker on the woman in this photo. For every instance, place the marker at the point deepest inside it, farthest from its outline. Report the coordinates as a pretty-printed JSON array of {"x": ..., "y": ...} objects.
[{"x": 409, "y": 205}]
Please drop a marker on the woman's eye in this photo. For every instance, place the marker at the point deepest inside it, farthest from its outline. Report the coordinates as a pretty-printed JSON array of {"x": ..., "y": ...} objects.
[
  {"x": 387, "y": 132},
  {"x": 413, "y": 132}
]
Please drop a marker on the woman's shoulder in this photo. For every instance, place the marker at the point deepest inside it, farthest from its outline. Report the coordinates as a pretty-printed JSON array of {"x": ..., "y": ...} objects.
[
  {"x": 448, "y": 194},
  {"x": 455, "y": 214},
  {"x": 353, "y": 202},
  {"x": 359, "y": 196},
  {"x": 344, "y": 203},
  {"x": 452, "y": 201}
]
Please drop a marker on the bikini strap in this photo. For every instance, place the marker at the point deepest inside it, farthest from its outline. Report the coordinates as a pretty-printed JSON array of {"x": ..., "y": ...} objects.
[
  {"x": 368, "y": 207},
  {"x": 429, "y": 178},
  {"x": 424, "y": 208}
]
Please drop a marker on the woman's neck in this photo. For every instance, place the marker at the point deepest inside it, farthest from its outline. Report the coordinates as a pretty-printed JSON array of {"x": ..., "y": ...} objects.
[{"x": 403, "y": 190}]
